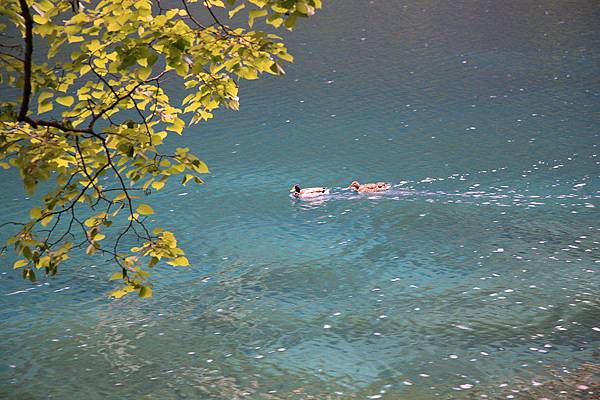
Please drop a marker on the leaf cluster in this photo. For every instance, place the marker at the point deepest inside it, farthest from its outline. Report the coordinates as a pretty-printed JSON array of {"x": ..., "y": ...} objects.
[{"x": 91, "y": 118}]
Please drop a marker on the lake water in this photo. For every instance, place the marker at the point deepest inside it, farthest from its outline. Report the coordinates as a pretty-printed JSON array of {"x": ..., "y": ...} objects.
[{"x": 475, "y": 274}]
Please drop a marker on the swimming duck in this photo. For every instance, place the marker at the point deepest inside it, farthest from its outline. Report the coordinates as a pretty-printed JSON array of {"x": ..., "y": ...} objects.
[
  {"x": 369, "y": 187},
  {"x": 308, "y": 192}
]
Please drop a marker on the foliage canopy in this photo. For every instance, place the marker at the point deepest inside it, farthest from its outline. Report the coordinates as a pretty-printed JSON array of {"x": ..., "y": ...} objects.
[{"x": 92, "y": 108}]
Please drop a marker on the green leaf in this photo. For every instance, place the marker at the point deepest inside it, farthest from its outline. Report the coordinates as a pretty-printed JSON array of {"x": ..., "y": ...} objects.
[
  {"x": 27, "y": 252},
  {"x": 305, "y": 9},
  {"x": 144, "y": 209},
  {"x": 31, "y": 275},
  {"x": 290, "y": 23},
  {"x": 145, "y": 292}
]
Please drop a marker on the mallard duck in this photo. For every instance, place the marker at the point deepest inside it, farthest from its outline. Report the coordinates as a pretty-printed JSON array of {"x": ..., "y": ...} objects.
[
  {"x": 369, "y": 187},
  {"x": 308, "y": 192}
]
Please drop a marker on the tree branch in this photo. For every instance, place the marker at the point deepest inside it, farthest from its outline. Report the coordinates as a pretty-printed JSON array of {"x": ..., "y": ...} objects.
[
  {"x": 187, "y": 10},
  {"x": 27, "y": 59}
]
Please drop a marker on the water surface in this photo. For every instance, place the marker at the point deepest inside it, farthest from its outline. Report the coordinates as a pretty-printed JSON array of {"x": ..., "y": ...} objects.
[{"x": 479, "y": 269}]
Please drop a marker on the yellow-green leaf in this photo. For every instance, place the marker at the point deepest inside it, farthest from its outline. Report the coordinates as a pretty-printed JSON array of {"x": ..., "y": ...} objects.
[
  {"x": 180, "y": 261},
  {"x": 35, "y": 213},
  {"x": 217, "y": 3},
  {"x": 144, "y": 209},
  {"x": 94, "y": 45},
  {"x": 47, "y": 220},
  {"x": 75, "y": 39},
  {"x": 144, "y": 73},
  {"x": 118, "y": 293},
  {"x": 43, "y": 104},
  {"x": 200, "y": 167},
  {"x": 42, "y": 108},
  {"x": 158, "y": 185},
  {"x": 177, "y": 126},
  {"x": 66, "y": 101},
  {"x": 116, "y": 276},
  {"x": 252, "y": 15},
  {"x": 91, "y": 249},
  {"x": 236, "y": 10}
]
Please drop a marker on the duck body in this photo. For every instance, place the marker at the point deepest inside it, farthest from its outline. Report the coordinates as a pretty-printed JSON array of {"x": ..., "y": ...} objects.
[
  {"x": 369, "y": 187},
  {"x": 308, "y": 193}
]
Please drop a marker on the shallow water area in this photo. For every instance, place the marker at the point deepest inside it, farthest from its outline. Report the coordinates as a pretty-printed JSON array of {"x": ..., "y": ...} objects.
[{"x": 475, "y": 273}]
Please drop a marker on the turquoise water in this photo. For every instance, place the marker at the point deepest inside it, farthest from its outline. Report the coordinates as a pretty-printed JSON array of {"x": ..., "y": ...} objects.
[{"x": 478, "y": 270}]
